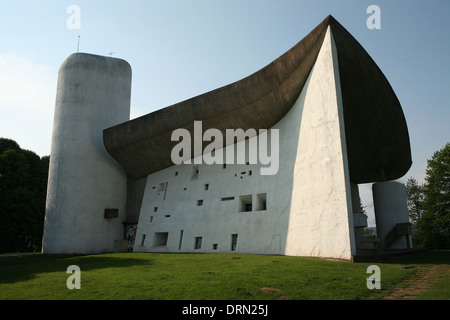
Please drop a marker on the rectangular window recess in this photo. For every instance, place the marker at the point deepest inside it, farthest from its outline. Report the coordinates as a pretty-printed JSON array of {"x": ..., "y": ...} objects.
[
  {"x": 234, "y": 238},
  {"x": 199, "y": 203},
  {"x": 161, "y": 186},
  {"x": 111, "y": 213},
  {"x": 245, "y": 203},
  {"x": 227, "y": 199},
  {"x": 160, "y": 239},
  {"x": 165, "y": 190},
  {"x": 181, "y": 239},
  {"x": 194, "y": 174},
  {"x": 167, "y": 216},
  {"x": 198, "y": 243},
  {"x": 261, "y": 202}
]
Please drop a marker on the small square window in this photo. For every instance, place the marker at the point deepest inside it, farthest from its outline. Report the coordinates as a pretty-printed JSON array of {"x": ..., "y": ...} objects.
[
  {"x": 206, "y": 186},
  {"x": 160, "y": 239},
  {"x": 194, "y": 174},
  {"x": 199, "y": 203},
  {"x": 245, "y": 203},
  {"x": 161, "y": 186},
  {"x": 111, "y": 213},
  {"x": 261, "y": 202},
  {"x": 198, "y": 243}
]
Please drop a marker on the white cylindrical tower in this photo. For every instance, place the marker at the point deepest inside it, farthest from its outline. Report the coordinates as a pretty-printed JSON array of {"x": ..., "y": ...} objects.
[
  {"x": 87, "y": 188},
  {"x": 391, "y": 209}
]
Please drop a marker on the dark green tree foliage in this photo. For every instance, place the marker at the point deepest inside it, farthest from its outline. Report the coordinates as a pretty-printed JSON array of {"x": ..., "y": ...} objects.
[
  {"x": 415, "y": 196},
  {"x": 429, "y": 204},
  {"x": 23, "y": 185}
]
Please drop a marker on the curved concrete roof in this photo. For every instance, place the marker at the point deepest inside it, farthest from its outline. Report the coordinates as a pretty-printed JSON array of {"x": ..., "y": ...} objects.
[{"x": 376, "y": 131}]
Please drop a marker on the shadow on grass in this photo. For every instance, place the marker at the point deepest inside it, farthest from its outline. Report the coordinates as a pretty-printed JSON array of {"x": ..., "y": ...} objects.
[
  {"x": 423, "y": 258},
  {"x": 26, "y": 267}
]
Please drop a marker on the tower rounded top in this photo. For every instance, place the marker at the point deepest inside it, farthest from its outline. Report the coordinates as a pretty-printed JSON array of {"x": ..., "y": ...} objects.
[{"x": 95, "y": 62}]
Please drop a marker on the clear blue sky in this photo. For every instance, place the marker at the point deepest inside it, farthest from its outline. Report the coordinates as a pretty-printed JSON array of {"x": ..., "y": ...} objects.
[{"x": 179, "y": 49}]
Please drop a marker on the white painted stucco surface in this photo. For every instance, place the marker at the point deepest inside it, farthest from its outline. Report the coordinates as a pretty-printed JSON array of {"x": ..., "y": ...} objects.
[
  {"x": 321, "y": 214},
  {"x": 309, "y": 207},
  {"x": 390, "y": 205},
  {"x": 93, "y": 94}
]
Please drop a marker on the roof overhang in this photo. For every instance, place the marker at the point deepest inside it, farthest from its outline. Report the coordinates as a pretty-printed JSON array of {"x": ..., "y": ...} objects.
[{"x": 375, "y": 127}]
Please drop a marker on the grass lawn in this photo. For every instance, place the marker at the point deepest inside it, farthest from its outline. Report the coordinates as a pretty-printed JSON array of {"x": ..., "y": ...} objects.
[{"x": 137, "y": 276}]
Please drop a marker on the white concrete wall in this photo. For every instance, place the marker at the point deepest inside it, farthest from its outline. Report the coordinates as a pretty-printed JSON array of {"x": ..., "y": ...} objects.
[
  {"x": 390, "y": 205},
  {"x": 93, "y": 94},
  {"x": 321, "y": 215},
  {"x": 309, "y": 210},
  {"x": 215, "y": 220}
]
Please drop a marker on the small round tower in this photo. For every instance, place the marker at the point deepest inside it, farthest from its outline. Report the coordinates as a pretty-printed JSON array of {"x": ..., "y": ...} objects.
[
  {"x": 87, "y": 188},
  {"x": 391, "y": 214}
]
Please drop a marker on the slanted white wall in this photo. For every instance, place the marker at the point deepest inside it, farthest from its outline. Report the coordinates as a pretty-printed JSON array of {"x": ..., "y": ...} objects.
[
  {"x": 308, "y": 202},
  {"x": 321, "y": 221},
  {"x": 175, "y": 195},
  {"x": 93, "y": 94},
  {"x": 209, "y": 206}
]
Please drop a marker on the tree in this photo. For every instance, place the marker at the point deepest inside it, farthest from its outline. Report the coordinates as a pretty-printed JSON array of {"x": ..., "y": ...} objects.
[
  {"x": 415, "y": 196},
  {"x": 429, "y": 204},
  {"x": 437, "y": 196},
  {"x": 23, "y": 185}
]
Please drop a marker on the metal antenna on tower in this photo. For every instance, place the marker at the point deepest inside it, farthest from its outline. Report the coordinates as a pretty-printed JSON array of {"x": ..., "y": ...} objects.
[{"x": 78, "y": 47}]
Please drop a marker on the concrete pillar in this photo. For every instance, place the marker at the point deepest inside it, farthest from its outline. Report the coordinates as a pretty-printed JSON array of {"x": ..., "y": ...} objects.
[
  {"x": 389, "y": 199},
  {"x": 93, "y": 94}
]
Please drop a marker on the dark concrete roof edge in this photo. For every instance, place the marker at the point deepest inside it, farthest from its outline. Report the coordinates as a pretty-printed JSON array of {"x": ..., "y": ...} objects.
[
  {"x": 129, "y": 134},
  {"x": 142, "y": 145}
]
